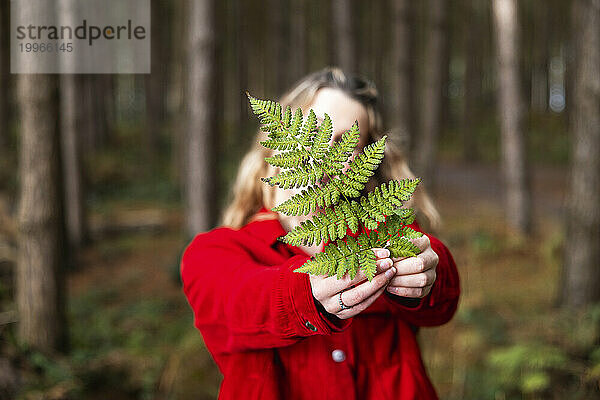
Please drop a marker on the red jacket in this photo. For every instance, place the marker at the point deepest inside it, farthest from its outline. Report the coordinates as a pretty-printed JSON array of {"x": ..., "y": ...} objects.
[{"x": 259, "y": 320}]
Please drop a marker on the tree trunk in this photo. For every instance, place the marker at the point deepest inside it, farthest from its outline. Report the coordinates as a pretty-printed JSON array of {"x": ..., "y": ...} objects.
[
  {"x": 199, "y": 187},
  {"x": 241, "y": 64},
  {"x": 71, "y": 124},
  {"x": 39, "y": 277},
  {"x": 434, "y": 70},
  {"x": 297, "y": 58},
  {"x": 4, "y": 74},
  {"x": 402, "y": 76},
  {"x": 75, "y": 215},
  {"x": 95, "y": 113},
  {"x": 510, "y": 110},
  {"x": 154, "y": 84},
  {"x": 541, "y": 42},
  {"x": 278, "y": 55},
  {"x": 582, "y": 253},
  {"x": 473, "y": 33},
  {"x": 177, "y": 90},
  {"x": 345, "y": 43}
]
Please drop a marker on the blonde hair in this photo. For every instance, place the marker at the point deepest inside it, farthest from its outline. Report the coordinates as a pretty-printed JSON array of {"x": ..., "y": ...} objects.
[{"x": 250, "y": 194}]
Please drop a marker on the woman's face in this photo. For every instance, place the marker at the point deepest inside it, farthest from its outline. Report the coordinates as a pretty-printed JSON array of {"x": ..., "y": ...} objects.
[{"x": 343, "y": 111}]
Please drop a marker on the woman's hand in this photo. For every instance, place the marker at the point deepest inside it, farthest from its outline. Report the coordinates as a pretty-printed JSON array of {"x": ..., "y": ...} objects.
[
  {"x": 355, "y": 294},
  {"x": 415, "y": 275}
]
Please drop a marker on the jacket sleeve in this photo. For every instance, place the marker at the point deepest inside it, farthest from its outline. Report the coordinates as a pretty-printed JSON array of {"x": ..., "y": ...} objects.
[
  {"x": 440, "y": 304},
  {"x": 240, "y": 304}
]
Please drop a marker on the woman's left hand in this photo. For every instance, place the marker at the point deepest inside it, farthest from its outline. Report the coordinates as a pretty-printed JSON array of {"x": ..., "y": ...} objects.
[{"x": 415, "y": 275}]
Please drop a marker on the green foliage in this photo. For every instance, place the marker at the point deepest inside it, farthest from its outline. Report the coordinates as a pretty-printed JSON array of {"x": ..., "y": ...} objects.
[
  {"x": 527, "y": 367},
  {"x": 306, "y": 160}
]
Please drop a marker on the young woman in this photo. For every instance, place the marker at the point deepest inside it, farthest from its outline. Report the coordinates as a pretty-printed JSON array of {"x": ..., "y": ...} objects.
[{"x": 277, "y": 334}]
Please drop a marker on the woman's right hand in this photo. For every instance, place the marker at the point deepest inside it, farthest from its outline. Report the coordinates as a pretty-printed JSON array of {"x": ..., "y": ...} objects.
[{"x": 326, "y": 290}]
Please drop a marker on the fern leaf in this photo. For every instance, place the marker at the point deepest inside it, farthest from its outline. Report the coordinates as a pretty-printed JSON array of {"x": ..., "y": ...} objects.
[
  {"x": 367, "y": 259},
  {"x": 307, "y": 201},
  {"x": 401, "y": 247},
  {"x": 410, "y": 233},
  {"x": 305, "y": 157},
  {"x": 329, "y": 225},
  {"x": 362, "y": 168},
  {"x": 288, "y": 159},
  {"x": 395, "y": 222},
  {"x": 295, "y": 124},
  {"x": 269, "y": 113},
  {"x": 302, "y": 176},
  {"x": 308, "y": 129},
  {"x": 385, "y": 199},
  {"x": 320, "y": 143},
  {"x": 343, "y": 257},
  {"x": 280, "y": 143},
  {"x": 340, "y": 152}
]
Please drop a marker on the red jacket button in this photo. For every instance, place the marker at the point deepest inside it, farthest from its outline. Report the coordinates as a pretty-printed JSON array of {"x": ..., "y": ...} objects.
[{"x": 338, "y": 355}]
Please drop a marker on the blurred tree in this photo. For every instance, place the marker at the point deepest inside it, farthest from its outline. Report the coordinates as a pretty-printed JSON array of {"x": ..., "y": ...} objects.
[
  {"x": 200, "y": 168},
  {"x": 298, "y": 41},
  {"x": 98, "y": 113},
  {"x": 473, "y": 32},
  {"x": 155, "y": 82},
  {"x": 402, "y": 104},
  {"x": 381, "y": 49},
  {"x": 72, "y": 166},
  {"x": 176, "y": 91},
  {"x": 369, "y": 36},
  {"x": 434, "y": 71},
  {"x": 218, "y": 89},
  {"x": 581, "y": 285},
  {"x": 39, "y": 276},
  {"x": 89, "y": 134},
  {"x": 70, "y": 128},
  {"x": 278, "y": 54},
  {"x": 539, "y": 58},
  {"x": 241, "y": 63},
  {"x": 4, "y": 74},
  {"x": 345, "y": 42},
  {"x": 511, "y": 114}
]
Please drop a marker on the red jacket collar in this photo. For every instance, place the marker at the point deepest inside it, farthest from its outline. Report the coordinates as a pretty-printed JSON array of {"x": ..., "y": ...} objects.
[{"x": 265, "y": 225}]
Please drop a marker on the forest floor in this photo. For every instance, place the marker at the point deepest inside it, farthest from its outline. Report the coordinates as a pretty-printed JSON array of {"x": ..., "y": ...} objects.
[{"x": 132, "y": 330}]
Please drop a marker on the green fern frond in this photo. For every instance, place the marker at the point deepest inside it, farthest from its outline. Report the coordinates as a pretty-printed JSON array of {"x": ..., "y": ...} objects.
[
  {"x": 309, "y": 199},
  {"x": 363, "y": 167},
  {"x": 343, "y": 257},
  {"x": 385, "y": 199},
  {"x": 410, "y": 233},
  {"x": 401, "y": 247},
  {"x": 288, "y": 159},
  {"x": 305, "y": 158},
  {"x": 369, "y": 211},
  {"x": 269, "y": 114},
  {"x": 308, "y": 129},
  {"x": 295, "y": 124},
  {"x": 331, "y": 224},
  {"x": 280, "y": 143},
  {"x": 340, "y": 152},
  {"x": 320, "y": 143},
  {"x": 299, "y": 177}
]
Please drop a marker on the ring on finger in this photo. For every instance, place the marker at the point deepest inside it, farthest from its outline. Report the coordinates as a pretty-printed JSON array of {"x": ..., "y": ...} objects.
[{"x": 342, "y": 305}]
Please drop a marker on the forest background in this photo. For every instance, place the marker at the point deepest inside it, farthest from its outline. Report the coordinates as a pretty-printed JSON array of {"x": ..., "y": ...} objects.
[{"x": 105, "y": 178}]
